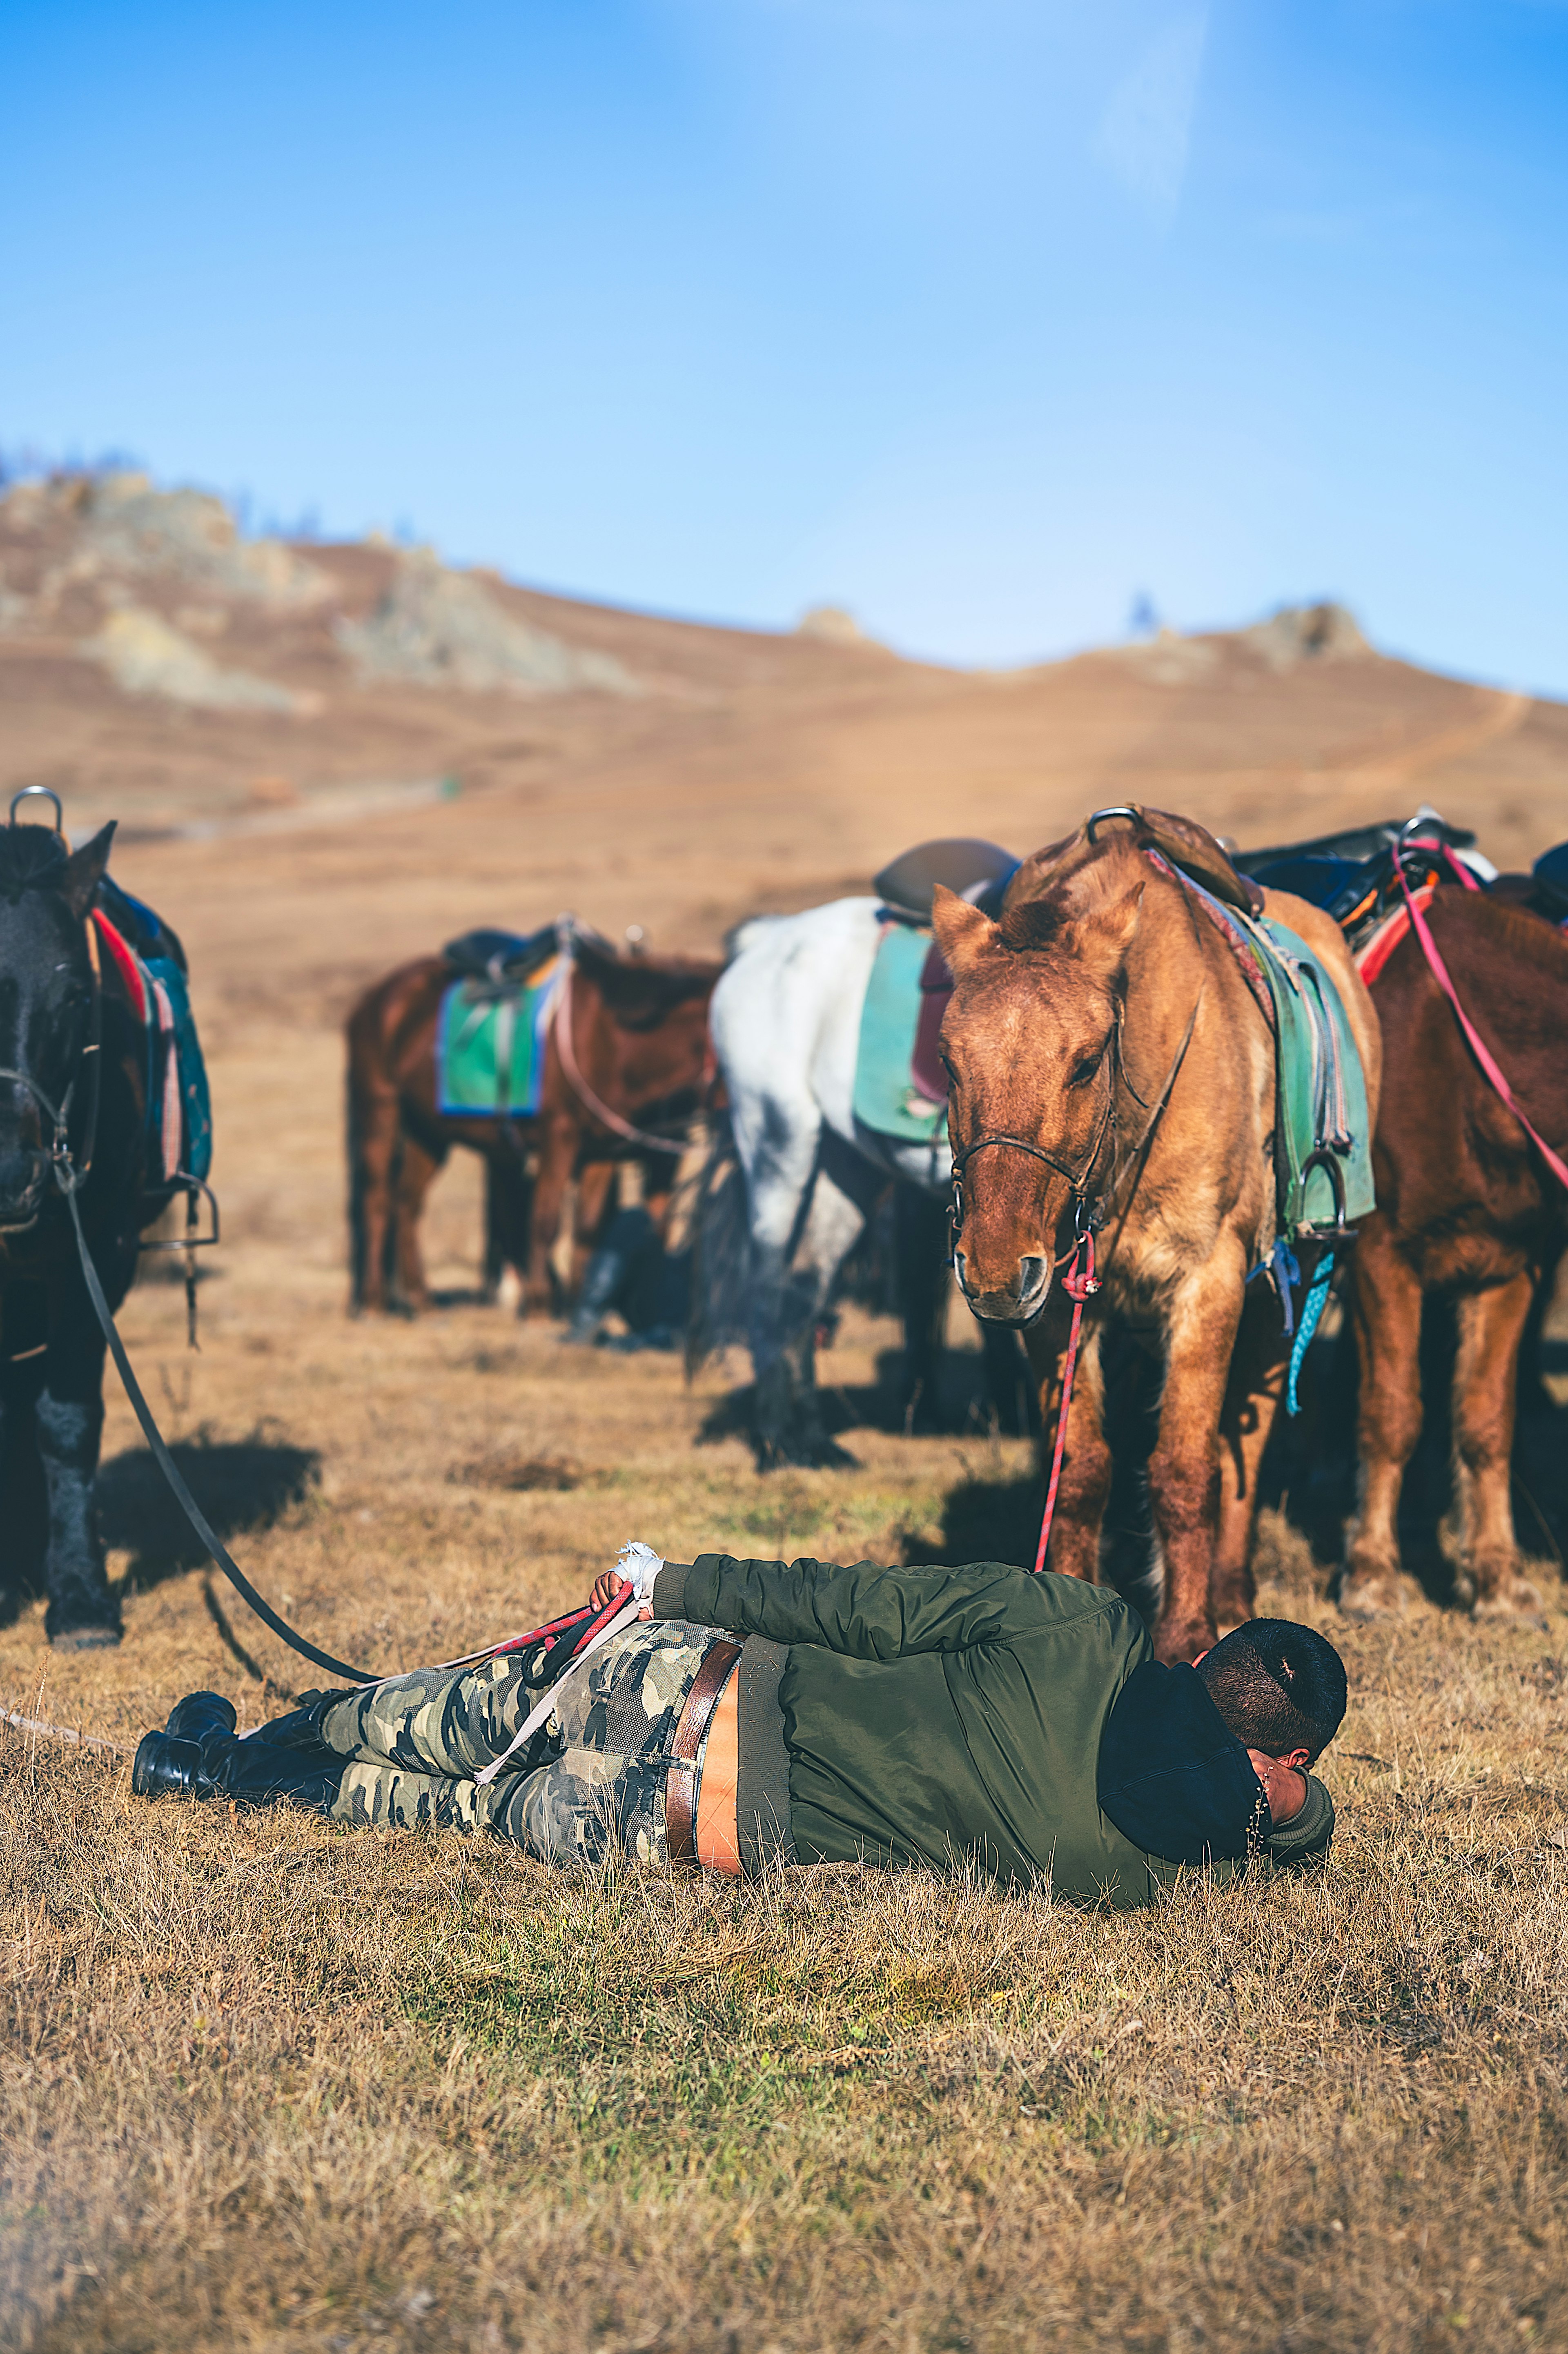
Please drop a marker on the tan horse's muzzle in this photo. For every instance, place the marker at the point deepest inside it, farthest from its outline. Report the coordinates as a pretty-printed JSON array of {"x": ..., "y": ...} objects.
[{"x": 1007, "y": 1299}]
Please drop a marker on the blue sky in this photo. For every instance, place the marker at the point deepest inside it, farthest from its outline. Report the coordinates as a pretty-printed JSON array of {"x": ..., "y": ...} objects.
[{"x": 979, "y": 316}]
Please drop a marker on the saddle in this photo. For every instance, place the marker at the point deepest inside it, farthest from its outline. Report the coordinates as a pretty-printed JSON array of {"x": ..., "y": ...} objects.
[
  {"x": 1350, "y": 876},
  {"x": 977, "y": 871},
  {"x": 901, "y": 1088},
  {"x": 500, "y": 957},
  {"x": 1184, "y": 844}
]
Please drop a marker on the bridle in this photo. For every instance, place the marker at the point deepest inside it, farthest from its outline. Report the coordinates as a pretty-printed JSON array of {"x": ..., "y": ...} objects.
[
  {"x": 1090, "y": 1214},
  {"x": 69, "y": 1170}
]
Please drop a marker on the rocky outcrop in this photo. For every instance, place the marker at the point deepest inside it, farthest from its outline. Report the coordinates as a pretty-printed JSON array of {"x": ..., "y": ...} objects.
[
  {"x": 121, "y": 530},
  {"x": 144, "y": 656},
  {"x": 1295, "y": 634},
  {"x": 437, "y": 628}
]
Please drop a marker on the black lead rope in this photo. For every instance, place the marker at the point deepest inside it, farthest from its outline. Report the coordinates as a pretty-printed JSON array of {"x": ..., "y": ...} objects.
[
  {"x": 65, "y": 1176},
  {"x": 68, "y": 1178}
]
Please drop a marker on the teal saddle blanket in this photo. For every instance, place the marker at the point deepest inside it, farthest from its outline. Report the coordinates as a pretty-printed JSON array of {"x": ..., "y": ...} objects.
[
  {"x": 489, "y": 1046},
  {"x": 1322, "y": 1128},
  {"x": 895, "y": 1087}
]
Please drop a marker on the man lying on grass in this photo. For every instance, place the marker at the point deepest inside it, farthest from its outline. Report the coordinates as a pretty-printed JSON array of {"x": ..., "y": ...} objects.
[{"x": 894, "y": 1715}]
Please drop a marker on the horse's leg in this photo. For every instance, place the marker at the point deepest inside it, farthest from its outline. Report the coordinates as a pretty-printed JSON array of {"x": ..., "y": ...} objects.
[
  {"x": 373, "y": 1136},
  {"x": 1184, "y": 1468},
  {"x": 82, "y": 1614},
  {"x": 508, "y": 1197},
  {"x": 1385, "y": 1299},
  {"x": 833, "y": 1226},
  {"x": 25, "y": 1522},
  {"x": 920, "y": 1228},
  {"x": 1256, "y": 1385},
  {"x": 417, "y": 1167},
  {"x": 594, "y": 1183},
  {"x": 1485, "y": 1374},
  {"x": 559, "y": 1136},
  {"x": 1086, "y": 1483}
]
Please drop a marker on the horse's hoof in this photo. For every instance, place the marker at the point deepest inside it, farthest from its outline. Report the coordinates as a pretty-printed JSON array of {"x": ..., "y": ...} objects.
[
  {"x": 804, "y": 1455},
  {"x": 1366, "y": 1598},
  {"x": 1513, "y": 1601},
  {"x": 85, "y": 1638},
  {"x": 827, "y": 1455}
]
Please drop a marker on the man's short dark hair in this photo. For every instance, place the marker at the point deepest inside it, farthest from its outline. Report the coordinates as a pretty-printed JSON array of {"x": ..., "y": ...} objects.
[{"x": 1277, "y": 1686}]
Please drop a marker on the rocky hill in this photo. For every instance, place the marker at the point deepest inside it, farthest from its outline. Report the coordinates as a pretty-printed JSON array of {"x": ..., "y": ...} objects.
[{"x": 513, "y": 750}]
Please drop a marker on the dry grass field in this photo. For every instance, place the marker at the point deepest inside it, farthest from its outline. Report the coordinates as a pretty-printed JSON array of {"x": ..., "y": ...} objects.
[{"x": 265, "y": 2084}]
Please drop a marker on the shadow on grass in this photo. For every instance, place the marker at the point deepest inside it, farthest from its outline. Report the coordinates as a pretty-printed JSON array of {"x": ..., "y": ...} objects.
[
  {"x": 241, "y": 1484},
  {"x": 962, "y": 1407}
]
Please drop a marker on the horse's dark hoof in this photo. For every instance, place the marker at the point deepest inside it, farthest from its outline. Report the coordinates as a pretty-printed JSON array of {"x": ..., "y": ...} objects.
[
  {"x": 804, "y": 1455},
  {"x": 100, "y": 1637},
  {"x": 199, "y": 1713},
  {"x": 167, "y": 1769},
  {"x": 827, "y": 1455}
]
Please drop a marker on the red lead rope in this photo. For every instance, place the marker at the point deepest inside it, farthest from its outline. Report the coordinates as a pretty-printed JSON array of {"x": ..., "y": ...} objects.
[{"x": 1078, "y": 1287}]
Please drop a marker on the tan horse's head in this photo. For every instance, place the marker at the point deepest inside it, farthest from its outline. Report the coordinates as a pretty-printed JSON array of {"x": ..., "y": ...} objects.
[{"x": 1031, "y": 1045}]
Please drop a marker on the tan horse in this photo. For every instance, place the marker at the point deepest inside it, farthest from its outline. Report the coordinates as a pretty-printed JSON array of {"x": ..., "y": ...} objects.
[{"x": 1112, "y": 1065}]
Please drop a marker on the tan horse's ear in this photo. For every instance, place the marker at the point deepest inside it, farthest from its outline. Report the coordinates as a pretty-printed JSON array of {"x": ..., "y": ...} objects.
[
  {"x": 1099, "y": 942},
  {"x": 963, "y": 933}
]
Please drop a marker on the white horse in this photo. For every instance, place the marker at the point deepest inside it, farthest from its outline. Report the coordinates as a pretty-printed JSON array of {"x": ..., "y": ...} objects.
[{"x": 785, "y": 1021}]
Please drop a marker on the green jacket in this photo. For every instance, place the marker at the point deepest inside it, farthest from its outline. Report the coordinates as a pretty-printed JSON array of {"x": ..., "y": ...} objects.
[{"x": 932, "y": 1715}]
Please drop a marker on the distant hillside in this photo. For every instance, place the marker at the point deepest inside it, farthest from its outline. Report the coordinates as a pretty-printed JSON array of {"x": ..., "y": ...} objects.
[{"x": 158, "y": 666}]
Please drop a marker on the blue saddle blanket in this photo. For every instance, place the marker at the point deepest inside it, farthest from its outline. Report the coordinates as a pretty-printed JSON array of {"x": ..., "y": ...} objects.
[
  {"x": 179, "y": 1100},
  {"x": 489, "y": 1046},
  {"x": 886, "y": 1095}
]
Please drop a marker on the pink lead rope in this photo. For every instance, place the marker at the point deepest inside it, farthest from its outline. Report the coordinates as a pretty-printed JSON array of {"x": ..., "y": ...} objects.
[
  {"x": 1078, "y": 1287},
  {"x": 1473, "y": 1038}
]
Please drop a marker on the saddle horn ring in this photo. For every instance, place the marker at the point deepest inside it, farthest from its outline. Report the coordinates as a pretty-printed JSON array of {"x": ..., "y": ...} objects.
[
  {"x": 39, "y": 792},
  {"x": 1121, "y": 808}
]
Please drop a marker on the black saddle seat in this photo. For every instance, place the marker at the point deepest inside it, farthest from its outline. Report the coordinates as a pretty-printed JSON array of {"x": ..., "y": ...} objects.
[
  {"x": 494, "y": 956},
  {"x": 1336, "y": 870},
  {"x": 975, "y": 870}
]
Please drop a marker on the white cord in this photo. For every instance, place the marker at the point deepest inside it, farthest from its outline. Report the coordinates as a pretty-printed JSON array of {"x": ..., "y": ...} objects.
[{"x": 532, "y": 1722}]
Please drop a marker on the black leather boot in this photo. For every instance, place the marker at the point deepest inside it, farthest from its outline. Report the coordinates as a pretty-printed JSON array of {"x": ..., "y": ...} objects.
[
  {"x": 199, "y": 1714},
  {"x": 252, "y": 1773},
  {"x": 255, "y": 1774},
  {"x": 301, "y": 1728},
  {"x": 166, "y": 1768}
]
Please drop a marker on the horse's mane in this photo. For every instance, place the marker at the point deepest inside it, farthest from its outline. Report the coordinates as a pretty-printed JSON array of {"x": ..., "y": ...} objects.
[
  {"x": 30, "y": 855},
  {"x": 1067, "y": 881}
]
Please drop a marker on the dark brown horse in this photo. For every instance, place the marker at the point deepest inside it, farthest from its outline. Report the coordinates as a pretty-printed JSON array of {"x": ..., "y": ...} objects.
[
  {"x": 635, "y": 1030},
  {"x": 1467, "y": 1206},
  {"x": 1105, "y": 1045}
]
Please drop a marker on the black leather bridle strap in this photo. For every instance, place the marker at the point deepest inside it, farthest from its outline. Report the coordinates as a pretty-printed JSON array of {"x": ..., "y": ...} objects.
[{"x": 1076, "y": 1179}]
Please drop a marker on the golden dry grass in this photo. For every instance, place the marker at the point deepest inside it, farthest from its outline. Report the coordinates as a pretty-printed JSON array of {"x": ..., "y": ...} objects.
[
  {"x": 267, "y": 2083},
  {"x": 263, "y": 2085}
]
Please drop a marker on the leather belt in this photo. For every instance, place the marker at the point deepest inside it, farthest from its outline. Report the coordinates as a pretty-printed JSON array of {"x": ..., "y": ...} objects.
[{"x": 681, "y": 1787}]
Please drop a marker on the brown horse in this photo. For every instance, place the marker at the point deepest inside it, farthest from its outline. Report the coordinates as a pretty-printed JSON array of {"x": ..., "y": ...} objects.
[
  {"x": 637, "y": 1048},
  {"x": 1465, "y": 1206},
  {"x": 1103, "y": 1040}
]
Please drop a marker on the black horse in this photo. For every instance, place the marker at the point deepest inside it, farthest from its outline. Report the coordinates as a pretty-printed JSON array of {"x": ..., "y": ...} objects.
[{"x": 73, "y": 1073}]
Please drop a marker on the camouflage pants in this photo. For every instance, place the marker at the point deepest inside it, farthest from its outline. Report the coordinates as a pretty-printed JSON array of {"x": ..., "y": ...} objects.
[{"x": 417, "y": 1742}]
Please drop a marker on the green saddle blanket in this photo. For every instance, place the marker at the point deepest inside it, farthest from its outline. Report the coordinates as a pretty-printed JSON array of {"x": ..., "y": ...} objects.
[
  {"x": 489, "y": 1046},
  {"x": 886, "y": 1096},
  {"x": 1323, "y": 1136}
]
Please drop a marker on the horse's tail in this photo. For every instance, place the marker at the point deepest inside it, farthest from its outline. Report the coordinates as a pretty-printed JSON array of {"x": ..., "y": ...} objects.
[{"x": 721, "y": 1250}]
